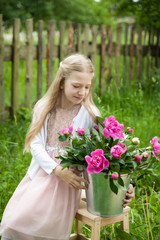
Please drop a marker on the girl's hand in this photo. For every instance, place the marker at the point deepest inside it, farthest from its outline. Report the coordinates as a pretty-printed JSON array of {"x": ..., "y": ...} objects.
[
  {"x": 129, "y": 196},
  {"x": 71, "y": 176}
]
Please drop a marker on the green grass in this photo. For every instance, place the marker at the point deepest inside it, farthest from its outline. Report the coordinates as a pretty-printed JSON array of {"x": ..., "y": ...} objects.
[
  {"x": 132, "y": 108},
  {"x": 134, "y": 105}
]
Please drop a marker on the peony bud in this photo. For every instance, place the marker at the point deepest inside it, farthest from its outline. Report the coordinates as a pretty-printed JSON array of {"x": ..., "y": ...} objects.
[
  {"x": 135, "y": 141},
  {"x": 138, "y": 158},
  {"x": 114, "y": 176},
  {"x": 129, "y": 130},
  {"x": 80, "y": 131},
  {"x": 96, "y": 128},
  {"x": 145, "y": 154}
]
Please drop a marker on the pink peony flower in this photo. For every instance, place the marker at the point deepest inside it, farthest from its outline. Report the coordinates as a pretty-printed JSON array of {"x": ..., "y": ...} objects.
[
  {"x": 156, "y": 148},
  {"x": 130, "y": 130},
  {"x": 66, "y": 131},
  {"x": 80, "y": 131},
  {"x": 135, "y": 141},
  {"x": 138, "y": 158},
  {"x": 96, "y": 128},
  {"x": 112, "y": 128},
  {"x": 154, "y": 140},
  {"x": 145, "y": 154},
  {"x": 114, "y": 176},
  {"x": 117, "y": 150},
  {"x": 97, "y": 162}
]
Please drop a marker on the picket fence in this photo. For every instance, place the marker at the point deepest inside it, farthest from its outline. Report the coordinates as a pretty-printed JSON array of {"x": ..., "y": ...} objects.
[{"x": 136, "y": 49}]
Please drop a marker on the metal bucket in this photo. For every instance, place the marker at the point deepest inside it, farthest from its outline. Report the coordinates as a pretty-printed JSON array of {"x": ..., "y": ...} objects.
[{"x": 101, "y": 200}]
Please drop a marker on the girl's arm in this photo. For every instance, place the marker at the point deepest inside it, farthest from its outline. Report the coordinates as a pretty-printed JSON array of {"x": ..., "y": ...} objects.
[
  {"x": 41, "y": 156},
  {"x": 71, "y": 176}
]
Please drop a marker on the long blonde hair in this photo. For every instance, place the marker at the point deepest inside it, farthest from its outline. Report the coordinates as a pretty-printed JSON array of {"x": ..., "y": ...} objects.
[{"x": 75, "y": 62}]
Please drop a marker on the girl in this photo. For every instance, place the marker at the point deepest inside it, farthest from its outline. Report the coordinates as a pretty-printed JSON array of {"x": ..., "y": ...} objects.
[{"x": 44, "y": 204}]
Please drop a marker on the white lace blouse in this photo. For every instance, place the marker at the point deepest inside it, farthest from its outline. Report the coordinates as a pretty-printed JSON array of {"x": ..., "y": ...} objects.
[{"x": 40, "y": 157}]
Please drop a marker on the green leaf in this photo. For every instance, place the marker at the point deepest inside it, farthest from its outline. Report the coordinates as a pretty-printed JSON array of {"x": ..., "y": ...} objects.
[
  {"x": 131, "y": 148},
  {"x": 119, "y": 186},
  {"x": 140, "y": 177},
  {"x": 122, "y": 161},
  {"x": 62, "y": 137},
  {"x": 120, "y": 181},
  {"x": 134, "y": 164},
  {"x": 89, "y": 148},
  {"x": 122, "y": 235},
  {"x": 100, "y": 120},
  {"x": 113, "y": 187},
  {"x": 66, "y": 165}
]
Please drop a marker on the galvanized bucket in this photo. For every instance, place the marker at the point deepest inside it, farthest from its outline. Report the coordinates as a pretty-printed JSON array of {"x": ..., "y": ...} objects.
[{"x": 101, "y": 200}]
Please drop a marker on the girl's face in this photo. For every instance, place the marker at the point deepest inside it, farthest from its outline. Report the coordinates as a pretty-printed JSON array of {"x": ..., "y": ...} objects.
[{"x": 75, "y": 88}]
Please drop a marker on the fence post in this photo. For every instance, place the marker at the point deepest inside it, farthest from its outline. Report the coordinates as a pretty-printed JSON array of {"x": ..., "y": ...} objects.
[
  {"x": 131, "y": 53},
  {"x": 61, "y": 41},
  {"x": 148, "y": 56},
  {"x": 94, "y": 52},
  {"x": 157, "y": 50},
  {"x": 125, "y": 53},
  {"x": 79, "y": 43},
  {"x": 29, "y": 61},
  {"x": 2, "y": 106},
  {"x": 109, "y": 54},
  {"x": 39, "y": 60},
  {"x": 50, "y": 51},
  {"x": 71, "y": 46},
  {"x": 86, "y": 40},
  {"x": 117, "y": 55},
  {"x": 139, "y": 56},
  {"x": 102, "y": 60},
  {"x": 15, "y": 67}
]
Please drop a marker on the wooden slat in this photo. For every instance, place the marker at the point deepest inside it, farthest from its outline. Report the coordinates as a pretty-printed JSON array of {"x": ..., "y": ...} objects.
[
  {"x": 61, "y": 41},
  {"x": 86, "y": 40},
  {"x": 131, "y": 53},
  {"x": 23, "y": 51},
  {"x": 125, "y": 54},
  {"x": 102, "y": 60},
  {"x": 143, "y": 59},
  {"x": 109, "y": 54},
  {"x": 94, "y": 53},
  {"x": 148, "y": 56},
  {"x": 117, "y": 55},
  {"x": 2, "y": 108},
  {"x": 40, "y": 57},
  {"x": 157, "y": 50},
  {"x": 153, "y": 43},
  {"x": 15, "y": 67},
  {"x": 79, "y": 42},
  {"x": 71, "y": 47},
  {"x": 50, "y": 51},
  {"x": 29, "y": 61},
  {"x": 139, "y": 56}
]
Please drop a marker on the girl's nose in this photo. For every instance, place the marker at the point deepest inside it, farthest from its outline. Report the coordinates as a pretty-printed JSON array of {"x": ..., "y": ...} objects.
[{"x": 81, "y": 91}]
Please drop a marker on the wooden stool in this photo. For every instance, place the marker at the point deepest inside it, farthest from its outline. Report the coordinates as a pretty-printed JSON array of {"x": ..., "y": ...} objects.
[{"x": 96, "y": 222}]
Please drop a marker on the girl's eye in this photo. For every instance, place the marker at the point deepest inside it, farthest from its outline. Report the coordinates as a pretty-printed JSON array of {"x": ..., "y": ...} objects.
[
  {"x": 87, "y": 87},
  {"x": 75, "y": 86}
]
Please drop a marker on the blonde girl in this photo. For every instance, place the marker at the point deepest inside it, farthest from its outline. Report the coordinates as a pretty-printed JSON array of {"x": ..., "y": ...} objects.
[{"x": 45, "y": 202}]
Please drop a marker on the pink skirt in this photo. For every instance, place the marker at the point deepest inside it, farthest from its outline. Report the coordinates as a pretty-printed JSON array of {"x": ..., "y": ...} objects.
[{"x": 40, "y": 209}]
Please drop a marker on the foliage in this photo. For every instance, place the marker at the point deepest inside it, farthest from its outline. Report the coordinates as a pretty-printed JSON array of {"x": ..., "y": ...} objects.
[
  {"x": 78, "y": 11},
  {"x": 145, "y": 12},
  {"x": 131, "y": 105},
  {"x": 106, "y": 148},
  {"x": 13, "y": 163}
]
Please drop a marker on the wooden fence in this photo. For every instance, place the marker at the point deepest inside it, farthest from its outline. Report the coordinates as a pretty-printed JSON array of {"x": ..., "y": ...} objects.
[{"x": 127, "y": 45}]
